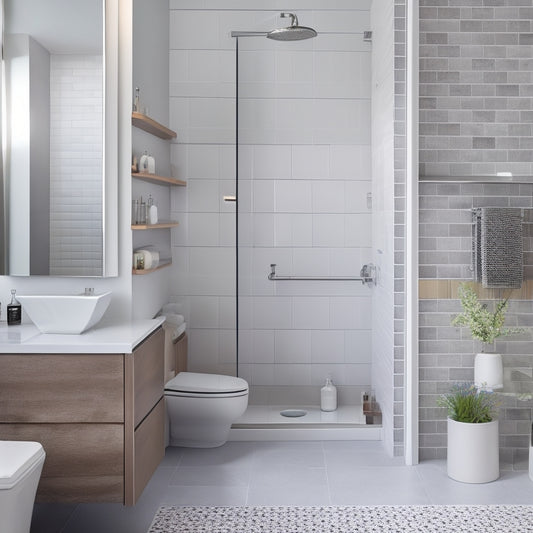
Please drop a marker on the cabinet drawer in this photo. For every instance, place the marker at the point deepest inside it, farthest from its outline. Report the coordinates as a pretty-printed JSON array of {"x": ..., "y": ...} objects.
[
  {"x": 62, "y": 388},
  {"x": 84, "y": 462},
  {"x": 148, "y": 375},
  {"x": 149, "y": 447}
]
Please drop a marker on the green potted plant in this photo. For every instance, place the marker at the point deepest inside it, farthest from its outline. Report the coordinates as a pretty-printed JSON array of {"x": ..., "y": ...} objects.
[
  {"x": 473, "y": 438},
  {"x": 486, "y": 326}
]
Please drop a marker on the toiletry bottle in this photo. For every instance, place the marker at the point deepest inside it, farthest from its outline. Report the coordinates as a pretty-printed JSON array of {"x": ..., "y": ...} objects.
[
  {"x": 366, "y": 402},
  {"x": 142, "y": 212},
  {"x": 14, "y": 310},
  {"x": 137, "y": 102},
  {"x": 328, "y": 396},
  {"x": 143, "y": 162},
  {"x": 150, "y": 164},
  {"x": 152, "y": 211}
]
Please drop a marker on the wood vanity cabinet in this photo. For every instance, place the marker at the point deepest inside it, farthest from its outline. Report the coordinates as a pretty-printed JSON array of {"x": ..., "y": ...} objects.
[{"x": 99, "y": 417}]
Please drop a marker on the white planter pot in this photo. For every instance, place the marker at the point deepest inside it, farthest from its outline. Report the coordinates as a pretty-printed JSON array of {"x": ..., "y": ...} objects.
[
  {"x": 473, "y": 451},
  {"x": 488, "y": 371}
]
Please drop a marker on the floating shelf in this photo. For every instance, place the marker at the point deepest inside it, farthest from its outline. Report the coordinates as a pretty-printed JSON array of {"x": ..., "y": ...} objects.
[
  {"x": 150, "y": 270},
  {"x": 149, "y": 125},
  {"x": 159, "y": 225},
  {"x": 163, "y": 180}
]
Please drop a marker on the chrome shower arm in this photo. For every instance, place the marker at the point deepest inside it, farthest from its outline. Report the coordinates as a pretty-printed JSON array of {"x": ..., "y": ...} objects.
[{"x": 293, "y": 17}]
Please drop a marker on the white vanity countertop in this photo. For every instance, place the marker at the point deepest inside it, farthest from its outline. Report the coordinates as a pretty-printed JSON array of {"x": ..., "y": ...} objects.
[{"x": 103, "y": 338}]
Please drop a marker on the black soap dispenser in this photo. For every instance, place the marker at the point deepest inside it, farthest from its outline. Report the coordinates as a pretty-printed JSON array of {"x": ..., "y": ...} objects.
[{"x": 14, "y": 310}]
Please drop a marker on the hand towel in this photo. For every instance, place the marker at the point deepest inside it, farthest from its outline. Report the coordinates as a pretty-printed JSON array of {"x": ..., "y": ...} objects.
[
  {"x": 170, "y": 308},
  {"x": 501, "y": 247}
]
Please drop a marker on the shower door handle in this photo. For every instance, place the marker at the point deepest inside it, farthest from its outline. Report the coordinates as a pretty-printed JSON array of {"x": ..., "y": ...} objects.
[{"x": 230, "y": 198}]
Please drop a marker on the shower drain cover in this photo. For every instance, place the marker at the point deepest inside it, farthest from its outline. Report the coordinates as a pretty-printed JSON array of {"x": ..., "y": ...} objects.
[{"x": 293, "y": 413}]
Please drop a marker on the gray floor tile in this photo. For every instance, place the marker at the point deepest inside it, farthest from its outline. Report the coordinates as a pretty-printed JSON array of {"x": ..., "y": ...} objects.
[
  {"x": 309, "y": 454},
  {"x": 282, "y": 473},
  {"x": 111, "y": 518},
  {"x": 443, "y": 490},
  {"x": 232, "y": 453},
  {"x": 212, "y": 476},
  {"x": 172, "y": 456},
  {"x": 376, "y": 486},
  {"x": 350, "y": 454},
  {"x": 288, "y": 485},
  {"x": 202, "y": 495},
  {"x": 49, "y": 518}
]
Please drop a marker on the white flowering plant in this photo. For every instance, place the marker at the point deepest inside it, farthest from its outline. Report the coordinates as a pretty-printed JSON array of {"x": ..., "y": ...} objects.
[{"x": 485, "y": 325}]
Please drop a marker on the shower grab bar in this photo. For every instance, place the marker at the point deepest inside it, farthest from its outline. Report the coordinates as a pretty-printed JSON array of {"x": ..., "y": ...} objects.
[{"x": 367, "y": 276}]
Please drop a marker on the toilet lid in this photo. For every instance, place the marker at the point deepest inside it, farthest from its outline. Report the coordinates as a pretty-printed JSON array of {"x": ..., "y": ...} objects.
[
  {"x": 16, "y": 458},
  {"x": 191, "y": 382}
]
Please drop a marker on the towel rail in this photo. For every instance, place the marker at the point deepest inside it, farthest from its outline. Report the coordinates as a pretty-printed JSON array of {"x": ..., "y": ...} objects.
[{"x": 367, "y": 276}]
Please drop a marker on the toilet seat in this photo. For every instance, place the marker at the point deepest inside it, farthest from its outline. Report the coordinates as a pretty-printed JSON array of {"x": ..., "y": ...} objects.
[
  {"x": 16, "y": 459},
  {"x": 195, "y": 385}
]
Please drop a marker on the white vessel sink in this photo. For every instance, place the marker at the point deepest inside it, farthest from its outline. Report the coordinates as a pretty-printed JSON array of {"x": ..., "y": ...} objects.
[{"x": 68, "y": 313}]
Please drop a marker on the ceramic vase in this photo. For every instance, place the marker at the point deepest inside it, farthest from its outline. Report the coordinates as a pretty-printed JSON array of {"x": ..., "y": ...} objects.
[
  {"x": 473, "y": 451},
  {"x": 488, "y": 371}
]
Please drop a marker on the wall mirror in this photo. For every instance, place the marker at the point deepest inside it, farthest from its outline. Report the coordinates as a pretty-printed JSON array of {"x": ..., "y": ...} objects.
[{"x": 59, "y": 137}]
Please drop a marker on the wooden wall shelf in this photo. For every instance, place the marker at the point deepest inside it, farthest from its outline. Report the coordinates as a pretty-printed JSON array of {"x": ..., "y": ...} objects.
[
  {"x": 150, "y": 270},
  {"x": 159, "y": 225},
  {"x": 150, "y": 125},
  {"x": 162, "y": 180}
]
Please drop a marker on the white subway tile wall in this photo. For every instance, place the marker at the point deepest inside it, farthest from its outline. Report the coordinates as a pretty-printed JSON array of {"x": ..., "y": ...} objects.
[
  {"x": 76, "y": 165},
  {"x": 304, "y": 174}
]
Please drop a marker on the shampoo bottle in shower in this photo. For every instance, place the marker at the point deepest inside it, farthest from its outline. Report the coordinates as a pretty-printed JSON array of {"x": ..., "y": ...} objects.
[
  {"x": 14, "y": 310},
  {"x": 328, "y": 396}
]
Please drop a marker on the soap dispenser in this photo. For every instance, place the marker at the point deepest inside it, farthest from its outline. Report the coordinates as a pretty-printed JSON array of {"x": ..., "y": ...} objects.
[
  {"x": 14, "y": 310},
  {"x": 328, "y": 396}
]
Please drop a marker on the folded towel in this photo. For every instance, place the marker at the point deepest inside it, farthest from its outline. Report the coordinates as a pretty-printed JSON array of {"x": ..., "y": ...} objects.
[
  {"x": 175, "y": 331},
  {"x": 170, "y": 309},
  {"x": 175, "y": 320},
  {"x": 501, "y": 247},
  {"x": 179, "y": 331}
]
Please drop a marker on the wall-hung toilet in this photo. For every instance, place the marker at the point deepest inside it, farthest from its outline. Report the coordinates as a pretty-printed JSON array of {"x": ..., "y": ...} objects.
[
  {"x": 21, "y": 464},
  {"x": 202, "y": 407}
]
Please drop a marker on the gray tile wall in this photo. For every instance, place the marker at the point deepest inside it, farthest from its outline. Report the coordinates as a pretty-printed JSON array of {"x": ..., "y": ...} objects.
[
  {"x": 446, "y": 224},
  {"x": 446, "y": 352},
  {"x": 476, "y": 118},
  {"x": 476, "y": 87}
]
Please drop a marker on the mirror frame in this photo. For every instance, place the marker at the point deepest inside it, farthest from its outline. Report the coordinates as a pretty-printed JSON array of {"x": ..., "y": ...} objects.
[{"x": 110, "y": 260}]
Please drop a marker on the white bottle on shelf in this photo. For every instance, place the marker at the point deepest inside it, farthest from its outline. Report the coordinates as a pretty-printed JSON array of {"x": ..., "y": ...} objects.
[
  {"x": 328, "y": 396},
  {"x": 150, "y": 164},
  {"x": 152, "y": 211},
  {"x": 143, "y": 162}
]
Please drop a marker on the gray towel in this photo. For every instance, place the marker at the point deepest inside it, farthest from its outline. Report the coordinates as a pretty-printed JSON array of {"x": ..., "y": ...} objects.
[{"x": 501, "y": 247}]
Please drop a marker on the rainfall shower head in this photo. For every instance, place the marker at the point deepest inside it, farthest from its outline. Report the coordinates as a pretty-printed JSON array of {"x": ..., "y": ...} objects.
[{"x": 293, "y": 32}]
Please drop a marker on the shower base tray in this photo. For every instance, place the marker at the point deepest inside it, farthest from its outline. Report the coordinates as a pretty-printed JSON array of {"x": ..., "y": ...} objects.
[{"x": 264, "y": 422}]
